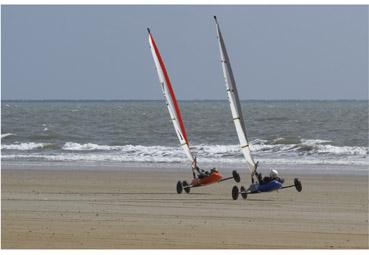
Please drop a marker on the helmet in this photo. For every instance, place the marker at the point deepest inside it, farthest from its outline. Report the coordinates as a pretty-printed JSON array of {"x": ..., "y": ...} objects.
[{"x": 273, "y": 173}]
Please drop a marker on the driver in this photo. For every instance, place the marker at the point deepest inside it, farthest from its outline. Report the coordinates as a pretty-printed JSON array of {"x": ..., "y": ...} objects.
[
  {"x": 272, "y": 176},
  {"x": 201, "y": 173}
]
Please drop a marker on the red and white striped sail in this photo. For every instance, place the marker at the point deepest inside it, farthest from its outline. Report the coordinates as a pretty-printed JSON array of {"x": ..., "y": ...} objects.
[
  {"x": 170, "y": 98},
  {"x": 234, "y": 101}
]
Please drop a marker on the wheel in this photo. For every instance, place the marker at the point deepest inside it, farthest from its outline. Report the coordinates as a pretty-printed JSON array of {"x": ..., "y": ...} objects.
[
  {"x": 298, "y": 185},
  {"x": 243, "y": 192},
  {"x": 235, "y": 192},
  {"x": 236, "y": 176},
  {"x": 186, "y": 187},
  {"x": 179, "y": 187}
]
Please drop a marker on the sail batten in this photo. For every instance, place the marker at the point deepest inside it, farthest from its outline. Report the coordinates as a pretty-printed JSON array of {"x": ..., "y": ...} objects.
[
  {"x": 234, "y": 101},
  {"x": 171, "y": 101}
]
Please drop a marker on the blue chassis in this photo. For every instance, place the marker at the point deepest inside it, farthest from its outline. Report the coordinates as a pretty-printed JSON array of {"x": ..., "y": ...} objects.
[{"x": 268, "y": 187}]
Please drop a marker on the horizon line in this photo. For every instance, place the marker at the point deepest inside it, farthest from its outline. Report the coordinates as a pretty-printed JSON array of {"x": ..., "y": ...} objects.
[{"x": 189, "y": 100}]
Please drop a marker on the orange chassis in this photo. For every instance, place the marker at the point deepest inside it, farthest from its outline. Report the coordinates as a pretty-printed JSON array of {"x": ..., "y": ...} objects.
[{"x": 214, "y": 177}]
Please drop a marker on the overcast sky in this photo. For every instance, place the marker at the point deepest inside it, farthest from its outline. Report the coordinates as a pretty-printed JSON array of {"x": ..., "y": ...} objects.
[{"x": 102, "y": 52}]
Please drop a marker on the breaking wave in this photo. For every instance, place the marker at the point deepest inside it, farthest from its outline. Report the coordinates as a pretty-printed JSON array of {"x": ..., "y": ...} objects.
[
  {"x": 6, "y": 135},
  {"x": 70, "y": 146},
  {"x": 303, "y": 151},
  {"x": 310, "y": 147},
  {"x": 24, "y": 146}
]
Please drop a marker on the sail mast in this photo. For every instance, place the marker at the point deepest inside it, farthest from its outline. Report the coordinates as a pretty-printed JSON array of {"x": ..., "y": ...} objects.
[
  {"x": 170, "y": 98},
  {"x": 234, "y": 101}
]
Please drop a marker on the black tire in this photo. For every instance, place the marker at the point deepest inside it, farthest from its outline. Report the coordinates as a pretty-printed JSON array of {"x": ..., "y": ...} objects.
[
  {"x": 179, "y": 187},
  {"x": 243, "y": 192},
  {"x": 236, "y": 176},
  {"x": 235, "y": 192},
  {"x": 186, "y": 187},
  {"x": 298, "y": 185}
]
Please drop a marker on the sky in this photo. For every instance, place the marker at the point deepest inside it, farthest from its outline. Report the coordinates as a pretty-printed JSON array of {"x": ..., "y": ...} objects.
[{"x": 102, "y": 52}]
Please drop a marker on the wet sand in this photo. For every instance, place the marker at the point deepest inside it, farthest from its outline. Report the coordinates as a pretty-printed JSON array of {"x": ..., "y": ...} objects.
[{"x": 140, "y": 209}]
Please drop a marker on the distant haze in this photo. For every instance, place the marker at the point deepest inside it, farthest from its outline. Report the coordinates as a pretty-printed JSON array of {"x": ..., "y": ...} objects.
[{"x": 102, "y": 52}]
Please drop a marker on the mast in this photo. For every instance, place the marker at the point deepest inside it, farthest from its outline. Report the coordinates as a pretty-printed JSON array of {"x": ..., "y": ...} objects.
[
  {"x": 234, "y": 101},
  {"x": 170, "y": 98}
]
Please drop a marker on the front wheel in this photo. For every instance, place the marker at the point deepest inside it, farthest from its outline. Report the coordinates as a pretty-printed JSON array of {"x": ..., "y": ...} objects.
[
  {"x": 236, "y": 176},
  {"x": 179, "y": 187},
  {"x": 235, "y": 192},
  {"x": 298, "y": 185}
]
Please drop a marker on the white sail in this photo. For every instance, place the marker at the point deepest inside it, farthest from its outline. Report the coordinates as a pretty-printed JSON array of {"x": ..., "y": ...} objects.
[
  {"x": 234, "y": 101},
  {"x": 170, "y": 98}
]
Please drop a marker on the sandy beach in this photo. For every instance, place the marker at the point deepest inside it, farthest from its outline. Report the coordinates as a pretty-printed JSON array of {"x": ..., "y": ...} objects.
[{"x": 140, "y": 209}]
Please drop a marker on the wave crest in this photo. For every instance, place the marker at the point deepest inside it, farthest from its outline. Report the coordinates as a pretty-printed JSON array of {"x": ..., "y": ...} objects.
[
  {"x": 305, "y": 150},
  {"x": 7, "y": 135},
  {"x": 24, "y": 146},
  {"x": 71, "y": 146}
]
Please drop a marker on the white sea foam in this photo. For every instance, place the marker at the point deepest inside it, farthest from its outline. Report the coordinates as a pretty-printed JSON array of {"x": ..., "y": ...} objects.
[
  {"x": 24, "y": 146},
  {"x": 97, "y": 157},
  {"x": 94, "y": 157},
  {"x": 215, "y": 151},
  {"x": 307, "y": 152},
  {"x": 344, "y": 150},
  {"x": 312, "y": 142},
  {"x": 70, "y": 146},
  {"x": 128, "y": 149},
  {"x": 310, "y": 146}
]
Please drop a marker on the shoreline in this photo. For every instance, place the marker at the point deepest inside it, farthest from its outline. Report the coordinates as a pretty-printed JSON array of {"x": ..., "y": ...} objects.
[
  {"x": 300, "y": 169},
  {"x": 140, "y": 209}
]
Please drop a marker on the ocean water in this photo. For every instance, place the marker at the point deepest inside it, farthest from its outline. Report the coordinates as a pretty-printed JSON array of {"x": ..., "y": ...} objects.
[{"x": 140, "y": 133}]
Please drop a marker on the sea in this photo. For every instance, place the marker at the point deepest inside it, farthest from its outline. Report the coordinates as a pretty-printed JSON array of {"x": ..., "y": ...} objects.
[{"x": 140, "y": 133}]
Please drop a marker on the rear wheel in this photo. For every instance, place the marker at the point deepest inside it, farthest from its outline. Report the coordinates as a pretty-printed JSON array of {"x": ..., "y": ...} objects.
[
  {"x": 179, "y": 187},
  {"x": 236, "y": 176},
  {"x": 186, "y": 187},
  {"x": 243, "y": 192},
  {"x": 235, "y": 192},
  {"x": 298, "y": 185}
]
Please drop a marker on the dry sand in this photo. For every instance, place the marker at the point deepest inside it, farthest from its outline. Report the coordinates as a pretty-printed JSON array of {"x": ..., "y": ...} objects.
[{"x": 140, "y": 209}]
